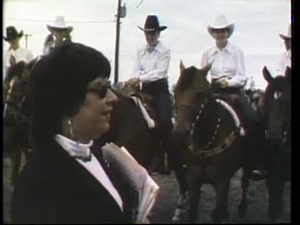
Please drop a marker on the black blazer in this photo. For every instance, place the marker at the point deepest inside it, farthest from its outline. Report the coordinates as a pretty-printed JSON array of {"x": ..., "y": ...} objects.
[{"x": 54, "y": 188}]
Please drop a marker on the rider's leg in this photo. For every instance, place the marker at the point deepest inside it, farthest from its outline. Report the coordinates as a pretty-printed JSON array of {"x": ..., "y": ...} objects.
[
  {"x": 164, "y": 113},
  {"x": 254, "y": 136}
]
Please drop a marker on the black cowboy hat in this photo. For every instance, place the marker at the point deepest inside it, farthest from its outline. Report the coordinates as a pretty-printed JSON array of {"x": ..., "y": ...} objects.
[
  {"x": 152, "y": 24},
  {"x": 11, "y": 33}
]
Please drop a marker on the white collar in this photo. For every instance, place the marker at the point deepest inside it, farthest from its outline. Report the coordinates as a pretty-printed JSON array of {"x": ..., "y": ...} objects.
[
  {"x": 75, "y": 149},
  {"x": 228, "y": 48},
  {"x": 158, "y": 47}
]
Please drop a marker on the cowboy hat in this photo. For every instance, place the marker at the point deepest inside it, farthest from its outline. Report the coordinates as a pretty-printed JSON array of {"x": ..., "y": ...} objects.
[
  {"x": 60, "y": 24},
  {"x": 152, "y": 24},
  {"x": 289, "y": 33},
  {"x": 221, "y": 23},
  {"x": 11, "y": 33}
]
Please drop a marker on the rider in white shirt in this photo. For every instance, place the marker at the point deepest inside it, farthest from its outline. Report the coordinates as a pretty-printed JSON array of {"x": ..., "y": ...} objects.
[
  {"x": 15, "y": 52},
  {"x": 151, "y": 69},
  {"x": 228, "y": 77},
  {"x": 285, "y": 59}
]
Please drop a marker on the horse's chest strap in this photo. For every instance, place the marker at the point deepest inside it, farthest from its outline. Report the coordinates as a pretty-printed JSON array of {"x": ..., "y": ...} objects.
[{"x": 218, "y": 149}]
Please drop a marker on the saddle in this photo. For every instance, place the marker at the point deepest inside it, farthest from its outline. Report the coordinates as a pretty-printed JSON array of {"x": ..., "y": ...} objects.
[{"x": 144, "y": 101}]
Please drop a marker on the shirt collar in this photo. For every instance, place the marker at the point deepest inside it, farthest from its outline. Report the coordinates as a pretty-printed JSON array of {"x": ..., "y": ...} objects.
[
  {"x": 11, "y": 49},
  {"x": 228, "y": 48},
  {"x": 158, "y": 48},
  {"x": 75, "y": 149}
]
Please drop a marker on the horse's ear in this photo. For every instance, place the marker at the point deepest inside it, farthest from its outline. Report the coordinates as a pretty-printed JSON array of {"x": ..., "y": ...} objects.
[
  {"x": 181, "y": 66},
  {"x": 267, "y": 75},
  {"x": 207, "y": 67}
]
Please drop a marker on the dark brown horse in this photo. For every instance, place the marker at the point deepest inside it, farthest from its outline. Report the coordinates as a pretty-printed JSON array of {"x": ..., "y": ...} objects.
[
  {"x": 278, "y": 140},
  {"x": 211, "y": 130},
  {"x": 16, "y": 116},
  {"x": 275, "y": 118}
]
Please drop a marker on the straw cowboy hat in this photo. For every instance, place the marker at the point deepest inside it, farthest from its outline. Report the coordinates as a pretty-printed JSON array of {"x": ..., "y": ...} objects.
[
  {"x": 289, "y": 33},
  {"x": 221, "y": 23},
  {"x": 60, "y": 24},
  {"x": 11, "y": 33},
  {"x": 152, "y": 24}
]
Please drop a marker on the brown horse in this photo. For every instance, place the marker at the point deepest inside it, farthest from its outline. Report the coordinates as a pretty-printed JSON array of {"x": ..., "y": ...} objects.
[
  {"x": 211, "y": 130},
  {"x": 275, "y": 118},
  {"x": 278, "y": 140},
  {"x": 16, "y": 116}
]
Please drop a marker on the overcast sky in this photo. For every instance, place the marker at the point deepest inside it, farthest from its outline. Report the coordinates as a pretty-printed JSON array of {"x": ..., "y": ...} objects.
[{"x": 258, "y": 24}]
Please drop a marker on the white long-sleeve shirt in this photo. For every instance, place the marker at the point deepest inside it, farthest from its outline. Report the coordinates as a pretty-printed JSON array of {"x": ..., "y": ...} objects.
[
  {"x": 21, "y": 54},
  {"x": 152, "y": 66},
  {"x": 228, "y": 62},
  {"x": 284, "y": 61}
]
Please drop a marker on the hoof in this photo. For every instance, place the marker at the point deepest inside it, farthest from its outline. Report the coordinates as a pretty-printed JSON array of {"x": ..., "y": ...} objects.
[
  {"x": 178, "y": 215},
  {"x": 257, "y": 175}
]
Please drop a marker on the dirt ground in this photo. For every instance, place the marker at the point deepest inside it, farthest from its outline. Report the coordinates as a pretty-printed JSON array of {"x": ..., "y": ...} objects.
[{"x": 165, "y": 204}]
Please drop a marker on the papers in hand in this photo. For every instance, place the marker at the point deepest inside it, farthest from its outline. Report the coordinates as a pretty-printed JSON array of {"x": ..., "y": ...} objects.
[{"x": 141, "y": 183}]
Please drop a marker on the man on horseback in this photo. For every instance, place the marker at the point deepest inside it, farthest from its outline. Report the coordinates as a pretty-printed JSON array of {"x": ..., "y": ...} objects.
[
  {"x": 15, "y": 52},
  {"x": 228, "y": 78},
  {"x": 151, "y": 69},
  {"x": 60, "y": 34}
]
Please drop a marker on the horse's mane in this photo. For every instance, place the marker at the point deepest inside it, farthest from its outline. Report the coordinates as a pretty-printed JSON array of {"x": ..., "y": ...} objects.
[{"x": 186, "y": 78}]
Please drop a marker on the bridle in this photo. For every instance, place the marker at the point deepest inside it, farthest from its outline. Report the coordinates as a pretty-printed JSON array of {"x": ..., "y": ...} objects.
[{"x": 19, "y": 107}]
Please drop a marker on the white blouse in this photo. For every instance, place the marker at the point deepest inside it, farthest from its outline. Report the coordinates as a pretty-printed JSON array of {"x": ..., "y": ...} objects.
[
  {"x": 21, "y": 54},
  {"x": 285, "y": 61},
  {"x": 152, "y": 63},
  {"x": 228, "y": 62},
  {"x": 93, "y": 166}
]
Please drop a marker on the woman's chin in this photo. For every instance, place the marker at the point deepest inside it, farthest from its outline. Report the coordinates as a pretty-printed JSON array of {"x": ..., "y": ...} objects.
[{"x": 104, "y": 129}]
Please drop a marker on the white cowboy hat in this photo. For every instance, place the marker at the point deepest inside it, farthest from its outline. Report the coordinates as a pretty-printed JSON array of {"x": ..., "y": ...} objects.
[
  {"x": 59, "y": 23},
  {"x": 289, "y": 33},
  {"x": 221, "y": 23}
]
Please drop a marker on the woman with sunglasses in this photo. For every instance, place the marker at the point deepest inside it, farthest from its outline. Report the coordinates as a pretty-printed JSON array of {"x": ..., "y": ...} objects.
[
  {"x": 63, "y": 181},
  {"x": 228, "y": 78}
]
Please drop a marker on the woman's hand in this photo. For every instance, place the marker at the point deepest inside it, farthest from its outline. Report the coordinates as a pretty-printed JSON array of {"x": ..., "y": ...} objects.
[
  {"x": 223, "y": 83},
  {"x": 134, "y": 83}
]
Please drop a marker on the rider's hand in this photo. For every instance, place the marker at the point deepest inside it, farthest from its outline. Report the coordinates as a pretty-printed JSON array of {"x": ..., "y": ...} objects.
[{"x": 223, "y": 83}]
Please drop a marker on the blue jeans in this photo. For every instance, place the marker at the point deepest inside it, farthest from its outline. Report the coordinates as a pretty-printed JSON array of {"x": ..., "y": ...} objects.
[{"x": 163, "y": 107}]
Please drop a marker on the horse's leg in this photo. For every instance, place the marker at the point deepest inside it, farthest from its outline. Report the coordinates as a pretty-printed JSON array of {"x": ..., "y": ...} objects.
[
  {"x": 15, "y": 158},
  {"x": 194, "y": 186},
  {"x": 245, "y": 185},
  {"x": 275, "y": 187},
  {"x": 220, "y": 213},
  {"x": 179, "y": 169}
]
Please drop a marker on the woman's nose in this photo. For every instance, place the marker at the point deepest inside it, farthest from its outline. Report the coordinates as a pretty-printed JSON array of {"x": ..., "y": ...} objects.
[{"x": 111, "y": 96}]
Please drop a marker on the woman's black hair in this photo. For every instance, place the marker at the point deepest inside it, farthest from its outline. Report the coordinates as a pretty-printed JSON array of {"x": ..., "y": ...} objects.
[{"x": 58, "y": 86}]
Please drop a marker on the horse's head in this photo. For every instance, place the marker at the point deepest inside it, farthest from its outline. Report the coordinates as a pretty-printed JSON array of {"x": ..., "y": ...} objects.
[
  {"x": 15, "y": 92},
  {"x": 192, "y": 92},
  {"x": 278, "y": 105}
]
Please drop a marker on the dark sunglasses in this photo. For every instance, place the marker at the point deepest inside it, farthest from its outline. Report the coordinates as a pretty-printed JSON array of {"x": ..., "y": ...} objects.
[{"x": 103, "y": 91}]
